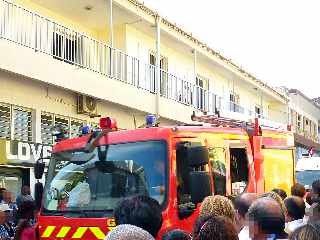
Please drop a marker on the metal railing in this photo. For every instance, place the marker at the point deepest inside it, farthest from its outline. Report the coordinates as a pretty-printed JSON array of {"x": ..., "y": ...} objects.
[{"x": 34, "y": 31}]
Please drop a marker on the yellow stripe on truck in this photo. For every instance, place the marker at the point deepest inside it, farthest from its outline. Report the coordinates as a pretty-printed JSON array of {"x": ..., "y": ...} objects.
[
  {"x": 97, "y": 232},
  {"x": 63, "y": 232},
  {"x": 49, "y": 230},
  {"x": 79, "y": 233}
]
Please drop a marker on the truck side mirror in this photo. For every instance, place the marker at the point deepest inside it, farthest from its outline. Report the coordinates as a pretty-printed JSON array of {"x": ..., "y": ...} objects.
[
  {"x": 39, "y": 169},
  {"x": 200, "y": 186},
  {"x": 197, "y": 156}
]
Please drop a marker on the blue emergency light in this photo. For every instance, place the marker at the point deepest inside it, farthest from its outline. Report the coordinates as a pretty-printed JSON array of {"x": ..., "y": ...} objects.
[
  {"x": 151, "y": 120},
  {"x": 85, "y": 129}
]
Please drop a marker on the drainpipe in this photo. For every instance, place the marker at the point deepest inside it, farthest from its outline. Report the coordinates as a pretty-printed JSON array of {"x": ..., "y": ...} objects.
[
  {"x": 111, "y": 23},
  {"x": 158, "y": 72},
  {"x": 195, "y": 91}
]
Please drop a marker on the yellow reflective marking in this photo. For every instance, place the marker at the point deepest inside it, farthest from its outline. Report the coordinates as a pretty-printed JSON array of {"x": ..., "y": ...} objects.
[
  {"x": 63, "y": 232},
  {"x": 49, "y": 230},
  {"x": 80, "y": 232},
  {"x": 97, "y": 232}
]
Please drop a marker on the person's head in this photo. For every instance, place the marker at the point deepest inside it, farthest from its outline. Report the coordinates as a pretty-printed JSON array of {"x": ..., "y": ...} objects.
[
  {"x": 218, "y": 228},
  {"x": 25, "y": 190},
  {"x": 277, "y": 198},
  {"x": 27, "y": 210},
  {"x": 7, "y": 196},
  {"x": 128, "y": 232},
  {"x": 176, "y": 234},
  {"x": 217, "y": 206},
  {"x": 280, "y": 192},
  {"x": 296, "y": 208},
  {"x": 310, "y": 231},
  {"x": 315, "y": 193},
  {"x": 140, "y": 211},
  {"x": 4, "y": 213},
  {"x": 298, "y": 190},
  {"x": 265, "y": 217},
  {"x": 241, "y": 204},
  {"x": 200, "y": 221}
]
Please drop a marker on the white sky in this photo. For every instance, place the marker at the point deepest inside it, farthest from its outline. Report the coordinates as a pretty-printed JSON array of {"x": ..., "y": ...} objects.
[{"x": 276, "y": 40}]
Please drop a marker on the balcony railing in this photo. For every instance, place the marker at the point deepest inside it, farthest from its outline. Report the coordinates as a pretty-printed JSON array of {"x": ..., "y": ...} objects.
[{"x": 34, "y": 31}]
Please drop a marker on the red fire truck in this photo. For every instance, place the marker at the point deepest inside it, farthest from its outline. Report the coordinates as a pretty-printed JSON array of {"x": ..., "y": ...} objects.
[{"x": 178, "y": 166}]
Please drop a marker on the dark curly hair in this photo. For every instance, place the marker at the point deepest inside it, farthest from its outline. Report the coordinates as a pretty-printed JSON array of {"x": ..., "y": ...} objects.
[
  {"x": 218, "y": 228},
  {"x": 140, "y": 211}
]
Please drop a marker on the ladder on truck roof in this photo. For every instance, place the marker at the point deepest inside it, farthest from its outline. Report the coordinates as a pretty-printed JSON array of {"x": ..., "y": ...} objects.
[{"x": 257, "y": 124}]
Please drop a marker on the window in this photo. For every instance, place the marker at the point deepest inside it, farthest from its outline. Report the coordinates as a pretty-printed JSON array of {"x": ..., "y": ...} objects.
[
  {"x": 65, "y": 45},
  {"x": 258, "y": 111},
  {"x": 46, "y": 128},
  {"x": 239, "y": 168},
  {"x": 5, "y": 121},
  {"x": 201, "y": 86},
  {"x": 235, "y": 103},
  {"x": 22, "y": 122},
  {"x": 72, "y": 126},
  {"x": 163, "y": 73},
  {"x": 217, "y": 160},
  {"x": 299, "y": 122}
]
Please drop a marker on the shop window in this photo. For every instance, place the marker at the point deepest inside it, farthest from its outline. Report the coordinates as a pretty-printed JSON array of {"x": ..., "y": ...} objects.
[
  {"x": 46, "y": 128},
  {"x": 22, "y": 122},
  {"x": 5, "y": 121},
  {"x": 239, "y": 170}
]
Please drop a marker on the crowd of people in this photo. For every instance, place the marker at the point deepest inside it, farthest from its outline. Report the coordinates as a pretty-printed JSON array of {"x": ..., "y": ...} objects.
[
  {"x": 17, "y": 217},
  {"x": 270, "y": 216}
]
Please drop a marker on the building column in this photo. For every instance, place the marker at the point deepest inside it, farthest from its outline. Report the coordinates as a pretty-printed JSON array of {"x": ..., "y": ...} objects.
[
  {"x": 158, "y": 57},
  {"x": 194, "y": 91}
]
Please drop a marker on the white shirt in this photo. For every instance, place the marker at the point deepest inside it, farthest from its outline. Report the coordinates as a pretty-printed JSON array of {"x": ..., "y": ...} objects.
[
  {"x": 293, "y": 225},
  {"x": 244, "y": 233}
]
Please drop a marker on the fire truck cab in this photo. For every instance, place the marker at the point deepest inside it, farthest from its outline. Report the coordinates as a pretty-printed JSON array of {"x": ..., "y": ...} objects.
[{"x": 178, "y": 166}]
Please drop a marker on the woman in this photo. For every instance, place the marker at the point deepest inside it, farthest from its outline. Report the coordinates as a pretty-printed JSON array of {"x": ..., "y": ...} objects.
[
  {"x": 26, "y": 216},
  {"x": 7, "y": 230}
]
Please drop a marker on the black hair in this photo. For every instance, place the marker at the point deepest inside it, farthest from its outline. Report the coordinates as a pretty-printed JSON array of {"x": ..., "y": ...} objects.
[
  {"x": 280, "y": 192},
  {"x": 26, "y": 210},
  {"x": 198, "y": 224},
  {"x": 140, "y": 211},
  {"x": 176, "y": 234},
  {"x": 218, "y": 228},
  {"x": 242, "y": 204},
  {"x": 316, "y": 186},
  {"x": 298, "y": 190},
  {"x": 269, "y": 220},
  {"x": 296, "y": 207}
]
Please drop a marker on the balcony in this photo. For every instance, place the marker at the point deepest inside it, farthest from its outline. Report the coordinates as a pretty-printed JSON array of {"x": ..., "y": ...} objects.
[{"x": 71, "y": 47}]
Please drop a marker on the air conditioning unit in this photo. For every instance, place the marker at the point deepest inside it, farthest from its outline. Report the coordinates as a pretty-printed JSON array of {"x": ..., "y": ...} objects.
[{"x": 87, "y": 105}]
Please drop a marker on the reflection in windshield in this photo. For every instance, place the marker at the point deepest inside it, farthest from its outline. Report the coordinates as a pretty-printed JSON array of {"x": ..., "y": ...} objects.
[
  {"x": 307, "y": 177},
  {"x": 80, "y": 182}
]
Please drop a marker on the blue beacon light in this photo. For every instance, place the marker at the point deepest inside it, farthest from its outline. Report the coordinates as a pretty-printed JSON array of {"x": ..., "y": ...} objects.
[
  {"x": 86, "y": 129},
  {"x": 151, "y": 120}
]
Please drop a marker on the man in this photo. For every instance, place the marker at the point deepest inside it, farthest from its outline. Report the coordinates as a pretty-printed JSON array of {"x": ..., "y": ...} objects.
[
  {"x": 7, "y": 199},
  {"x": 242, "y": 204},
  {"x": 295, "y": 213},
  {"x": 7, "y": 228},
  {"x": 298, "y": 190},
  {"x": 140, "y": 211},
  {"x": 266, "y": 220},
  {"x": 314, "y": 210},
  {"x": 24, "y": 196}
]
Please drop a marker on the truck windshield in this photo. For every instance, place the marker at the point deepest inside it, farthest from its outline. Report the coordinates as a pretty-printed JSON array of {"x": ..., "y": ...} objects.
[
  {"x": 307, "y": 177},
  {"x": 92, "y": 184}
]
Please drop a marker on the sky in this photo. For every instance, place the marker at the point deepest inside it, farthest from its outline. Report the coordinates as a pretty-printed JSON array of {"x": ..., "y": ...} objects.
[{"x": 278, "y": 41}]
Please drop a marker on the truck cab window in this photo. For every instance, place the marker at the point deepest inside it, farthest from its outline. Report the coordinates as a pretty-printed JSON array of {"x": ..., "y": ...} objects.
[
  {"x": 217, "y": 161},
  {"x": 239, "y": 170}
]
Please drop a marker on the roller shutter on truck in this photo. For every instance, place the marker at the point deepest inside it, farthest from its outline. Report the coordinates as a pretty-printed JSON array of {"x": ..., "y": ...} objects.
[{"x": 278, "y": 169}]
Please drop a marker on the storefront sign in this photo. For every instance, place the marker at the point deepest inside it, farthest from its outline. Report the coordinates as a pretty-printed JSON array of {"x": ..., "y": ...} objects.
[{"x": 14, "y": 152}]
